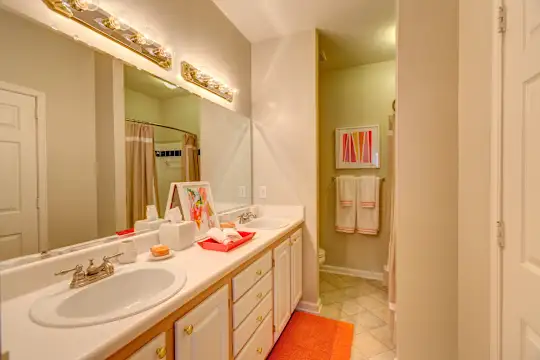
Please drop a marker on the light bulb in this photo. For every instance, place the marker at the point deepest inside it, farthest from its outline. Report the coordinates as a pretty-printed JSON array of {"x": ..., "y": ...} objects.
[
  {"x": 92, "y": 5},
  {"x": 123, "y": 24}
]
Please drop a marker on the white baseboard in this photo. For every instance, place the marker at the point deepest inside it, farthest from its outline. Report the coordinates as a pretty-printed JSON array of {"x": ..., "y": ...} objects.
[
  {"x": 366, "y": 274},
  {"x": 310, "y": 307}
]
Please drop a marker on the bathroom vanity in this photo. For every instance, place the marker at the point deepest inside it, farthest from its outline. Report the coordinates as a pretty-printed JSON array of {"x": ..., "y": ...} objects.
[
  {"x": 240, "y": 316},
  {"x": 233, "y": 305}
]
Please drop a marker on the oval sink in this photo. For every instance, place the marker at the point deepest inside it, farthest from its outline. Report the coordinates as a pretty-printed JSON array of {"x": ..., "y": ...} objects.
[
  {"x": 266, "y": 224},
  {"x": 128, "y": 292}
]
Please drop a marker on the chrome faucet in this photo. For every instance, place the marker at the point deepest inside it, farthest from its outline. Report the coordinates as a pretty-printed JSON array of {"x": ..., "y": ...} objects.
[
  {"x": 92, "y": 274},
  {"x": 246, "y": 217}
]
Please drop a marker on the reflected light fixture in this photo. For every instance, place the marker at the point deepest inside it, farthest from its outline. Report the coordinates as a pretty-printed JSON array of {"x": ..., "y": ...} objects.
[
  {"x": 195, "y": 76},
  {"x": 91, "y": 15},
  {"x": 170, "y": 85},
  {"x": 389, "y": 35}
]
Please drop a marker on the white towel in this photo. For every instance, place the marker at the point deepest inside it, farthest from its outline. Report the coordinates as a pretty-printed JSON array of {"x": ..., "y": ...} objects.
[
  {"x": 367, "y": 219},
  {"x": 346, "y": 186},
  {"x": 346, "y": 213},
  {"x": 368, "y": 191}
]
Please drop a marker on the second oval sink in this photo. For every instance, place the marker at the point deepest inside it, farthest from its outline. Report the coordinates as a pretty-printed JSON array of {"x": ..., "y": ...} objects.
[
  {"x": 266, "y": 223},
  {"x": 126, "y": 293}
]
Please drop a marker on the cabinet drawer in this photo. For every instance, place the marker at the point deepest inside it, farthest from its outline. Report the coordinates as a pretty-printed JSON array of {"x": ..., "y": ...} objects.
[
  {"x": 253, "y": 273},
  {"x": 253, "y": 297},
  {"x": 259, "y": 346},
  {"x": 153, "y": 350},
  {"x": 252, "y": 322}
]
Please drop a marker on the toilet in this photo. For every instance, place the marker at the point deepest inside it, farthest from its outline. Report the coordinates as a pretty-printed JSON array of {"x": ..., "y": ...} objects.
[{"x": 322, "y": 256}]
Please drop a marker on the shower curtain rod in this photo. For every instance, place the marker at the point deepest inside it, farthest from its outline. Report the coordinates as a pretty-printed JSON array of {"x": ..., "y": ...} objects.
[{"x": 159, "y": 125}]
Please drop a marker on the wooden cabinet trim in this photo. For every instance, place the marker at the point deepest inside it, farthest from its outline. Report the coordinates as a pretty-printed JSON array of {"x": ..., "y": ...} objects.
[{"x": 167, "y": 324}]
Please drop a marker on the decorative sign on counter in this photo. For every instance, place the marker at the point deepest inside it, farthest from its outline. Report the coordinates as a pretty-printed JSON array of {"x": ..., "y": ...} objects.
[{"x": 197, "y": 204}]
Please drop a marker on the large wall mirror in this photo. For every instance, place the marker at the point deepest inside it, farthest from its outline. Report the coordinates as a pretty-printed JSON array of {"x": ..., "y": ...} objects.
[{"x": 86, "y": 142}]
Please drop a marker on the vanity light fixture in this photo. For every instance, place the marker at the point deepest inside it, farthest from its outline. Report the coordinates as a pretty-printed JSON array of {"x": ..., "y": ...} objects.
[
  {"x": 91, "y": 15},
  {"x": 195, "y": 76}
]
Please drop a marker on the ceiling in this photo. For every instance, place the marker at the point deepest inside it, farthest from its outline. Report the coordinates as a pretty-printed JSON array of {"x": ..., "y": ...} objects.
[
  {"x": 150, "y": 85},
  {"x": 353, "y": 32}
]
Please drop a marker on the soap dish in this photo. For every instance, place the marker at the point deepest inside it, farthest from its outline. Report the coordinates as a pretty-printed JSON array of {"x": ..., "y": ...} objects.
[{"x": 159, "y": 258}]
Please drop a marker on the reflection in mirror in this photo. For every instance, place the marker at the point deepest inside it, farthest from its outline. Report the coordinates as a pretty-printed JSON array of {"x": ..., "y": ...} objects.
[
  {"x": 162, "y": 140},
  {"x": 86, "y": 142}
]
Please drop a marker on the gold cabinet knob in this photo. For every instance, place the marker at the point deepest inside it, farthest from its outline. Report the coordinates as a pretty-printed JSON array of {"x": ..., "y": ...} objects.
[
  {"x": 188, "y": 329},
  {"x": 259, "y": 272},
  {"x": 259, "y": 295},
  {"x": 259, "y": 318},
  {"x": 161, "y": 352},
  {"x": 260, "y": 350}
]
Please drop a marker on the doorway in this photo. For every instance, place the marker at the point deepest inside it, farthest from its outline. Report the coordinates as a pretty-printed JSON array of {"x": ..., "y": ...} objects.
[
  {"x": 520, "y": 178},
  {"x": 23, "y": 228}
]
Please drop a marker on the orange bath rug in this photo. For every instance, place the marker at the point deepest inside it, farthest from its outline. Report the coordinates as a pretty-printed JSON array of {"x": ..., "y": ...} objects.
[{"x": 312, "y": 337}]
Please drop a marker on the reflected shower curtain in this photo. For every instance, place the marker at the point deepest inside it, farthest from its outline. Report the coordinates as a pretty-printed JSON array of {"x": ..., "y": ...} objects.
[
  {"x": 191, "y": 158},
  {"x": 140, "y": 170},
  {"x": 392, "y": 245}
]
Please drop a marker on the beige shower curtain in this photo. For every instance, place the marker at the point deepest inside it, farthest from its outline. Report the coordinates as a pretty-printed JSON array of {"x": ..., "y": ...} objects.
[
  {"x": 190, "y": 155},
  {"x": 140, "y": 170},
  {"x": 392, "y": 246}
]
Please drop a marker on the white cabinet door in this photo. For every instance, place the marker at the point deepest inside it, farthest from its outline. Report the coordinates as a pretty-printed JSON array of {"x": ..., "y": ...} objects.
[
  {"x": 282, "y": 287},
  {"x": 296, "y": 269},
  {"x": 154, "y": 350},
  {"x": 204, "y": 332}
]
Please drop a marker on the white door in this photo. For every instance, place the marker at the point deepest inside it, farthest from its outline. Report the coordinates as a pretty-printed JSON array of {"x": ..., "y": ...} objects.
[
  {"x": 282, "y": 287},
  {"x": 521, "y": 182},
  {"x": 18, "y": 175},
  {"x": 296, "y": 269},
  {"x": 204, "y": 332},
  {"x": 156, "y": 349}
]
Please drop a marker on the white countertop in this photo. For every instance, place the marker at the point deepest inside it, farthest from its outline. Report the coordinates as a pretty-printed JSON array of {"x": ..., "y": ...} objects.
[{"x": 27, "y": 341}]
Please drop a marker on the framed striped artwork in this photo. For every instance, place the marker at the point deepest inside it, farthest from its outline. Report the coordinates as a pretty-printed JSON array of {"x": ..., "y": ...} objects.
[{"x": 358, "y": 147}]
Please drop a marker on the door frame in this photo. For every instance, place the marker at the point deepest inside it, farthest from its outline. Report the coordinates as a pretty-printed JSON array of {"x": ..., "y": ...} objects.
[
  {"x": 41, "y": 147},
  {"x": 496, "y": 168}
]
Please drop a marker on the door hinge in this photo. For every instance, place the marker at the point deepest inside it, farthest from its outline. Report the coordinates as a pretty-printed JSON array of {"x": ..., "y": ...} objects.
[
  {"x": 37, "y": 203},
  {"x": 273, "y": 263},
  {"x": 500, "y": 234},
  {"x": 273, "y": 328},
  {"x": 501, "y": 19}
]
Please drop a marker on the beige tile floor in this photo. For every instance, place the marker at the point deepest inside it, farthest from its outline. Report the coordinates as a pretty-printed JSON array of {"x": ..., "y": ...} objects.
[{"x": 364, "y": 304}]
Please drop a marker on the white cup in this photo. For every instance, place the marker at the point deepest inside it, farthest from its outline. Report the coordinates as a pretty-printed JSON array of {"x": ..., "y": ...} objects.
[{"x": 129, "y": 252}]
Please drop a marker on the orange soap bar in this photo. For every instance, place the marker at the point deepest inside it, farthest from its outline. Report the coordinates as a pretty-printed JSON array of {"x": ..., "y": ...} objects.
[{"x": 159, "y": 250}]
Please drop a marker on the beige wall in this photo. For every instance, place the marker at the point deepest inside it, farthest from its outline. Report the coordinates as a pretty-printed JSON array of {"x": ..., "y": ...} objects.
[
  {"x": 183, "y": 112},
  {"x": 142, "y": 107},
  {"x": 64, "y": 70},
  {"x": 284, "y": 85},
  {"x": 196, "y": 31},
  {"x": 360, "y": 95},
  {"x": 427, "y": 180},
  {"x": 475, "y": 51},
  {"x": 105, "y": 122}
]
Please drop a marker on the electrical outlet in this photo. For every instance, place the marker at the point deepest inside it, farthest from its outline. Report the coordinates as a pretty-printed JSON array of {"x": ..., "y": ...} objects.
[
  {"x": 262, "y": 192},
  {"x": 242, "y": 191}
]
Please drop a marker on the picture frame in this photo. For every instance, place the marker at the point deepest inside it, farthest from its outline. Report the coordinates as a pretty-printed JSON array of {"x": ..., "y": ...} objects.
[
  {"x": 358, "y": 147},
  {"x": 196, "y": 203}
]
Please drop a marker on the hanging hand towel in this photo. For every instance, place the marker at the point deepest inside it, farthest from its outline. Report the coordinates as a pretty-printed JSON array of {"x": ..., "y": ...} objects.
[
  {"x": 367, "y": 218},
  {"x": 368, "y": 191},
  {"x": 346, "y": 212},
  {"x": 346, "y": 186}
]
